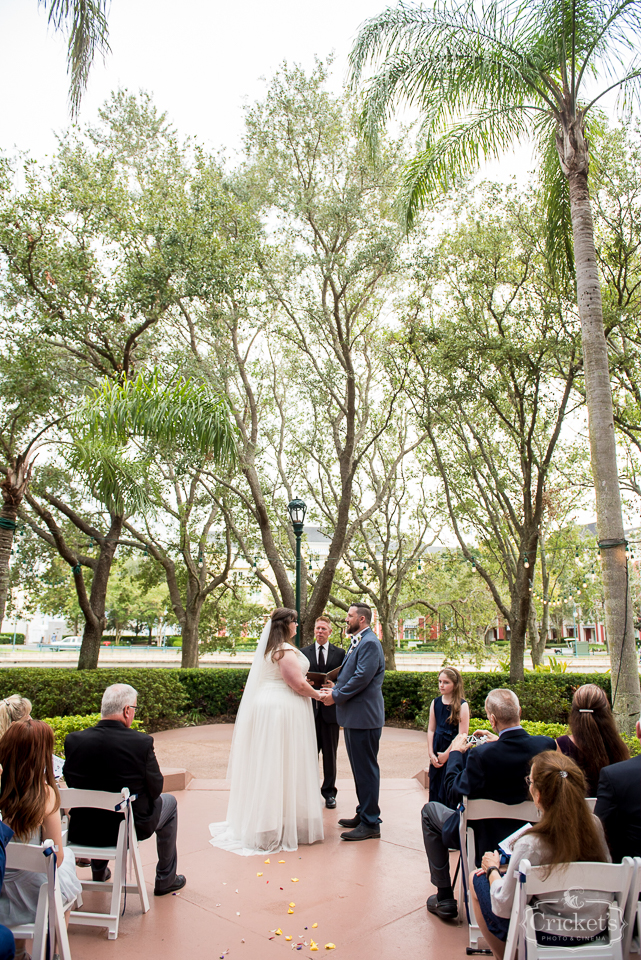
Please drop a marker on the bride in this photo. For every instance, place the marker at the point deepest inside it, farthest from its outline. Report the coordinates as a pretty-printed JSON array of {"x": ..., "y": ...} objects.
[{"x": 275, "y": 800}]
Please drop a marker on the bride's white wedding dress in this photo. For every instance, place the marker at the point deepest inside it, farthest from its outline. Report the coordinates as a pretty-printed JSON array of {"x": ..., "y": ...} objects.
[{"x": 275, "y": 801}]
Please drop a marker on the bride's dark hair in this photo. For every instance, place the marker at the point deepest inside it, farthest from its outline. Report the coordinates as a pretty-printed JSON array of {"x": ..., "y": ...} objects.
[{"x": 279, "y": 633}]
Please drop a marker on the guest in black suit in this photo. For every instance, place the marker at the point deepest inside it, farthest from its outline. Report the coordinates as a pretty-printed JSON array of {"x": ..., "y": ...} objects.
[
  {"x": 111, "y": 756},
  {"x": 618, "y": 805},
  {"x": 323, "y": 656},
  {"x": 491, "y": 771}
]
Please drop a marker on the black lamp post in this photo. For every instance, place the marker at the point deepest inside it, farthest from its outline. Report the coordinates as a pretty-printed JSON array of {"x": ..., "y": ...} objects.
[{"x": 297, "y": 510}]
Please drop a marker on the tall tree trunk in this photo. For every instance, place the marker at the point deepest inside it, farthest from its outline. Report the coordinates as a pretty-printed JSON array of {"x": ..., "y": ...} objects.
[
  {"x": 388, "y": 631},
  {"x": 8, "y": 516},
  {"x": 603, "y": 457},
  {"x": 12, "y": 488},
  {"x": 94, "y": 611},
  {"x": 537, "y": 640}
]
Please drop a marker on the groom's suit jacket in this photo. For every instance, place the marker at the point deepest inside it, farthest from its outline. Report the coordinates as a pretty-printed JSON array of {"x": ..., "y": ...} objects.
[
  {"x": 335, "y": 656},
  {"x": 357, "y": 693}
]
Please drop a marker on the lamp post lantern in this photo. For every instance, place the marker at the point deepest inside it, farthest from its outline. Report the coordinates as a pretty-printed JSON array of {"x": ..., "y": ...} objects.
[{"x": 297, "y": 510}]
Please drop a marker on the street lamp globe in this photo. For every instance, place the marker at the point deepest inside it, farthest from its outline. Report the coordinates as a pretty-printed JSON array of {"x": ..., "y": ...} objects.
[{"x": 297, "y": 510}]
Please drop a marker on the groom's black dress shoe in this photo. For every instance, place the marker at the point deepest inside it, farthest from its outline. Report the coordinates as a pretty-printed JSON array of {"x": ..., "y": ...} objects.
[
  {"x": 330, "y": 802},
  {"x": 445, "y": 909},
  {"x": 178, "y": 884},
  {"x": 361, "y": 833},
  {"x": 346, "y": 822}
]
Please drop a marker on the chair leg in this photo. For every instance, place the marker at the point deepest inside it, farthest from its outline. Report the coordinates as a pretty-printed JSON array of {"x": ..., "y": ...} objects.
[
  {"x": 140, "y": 877},
  {"x": 119, "y": 880},
  {"x": 61, "y": 929}
]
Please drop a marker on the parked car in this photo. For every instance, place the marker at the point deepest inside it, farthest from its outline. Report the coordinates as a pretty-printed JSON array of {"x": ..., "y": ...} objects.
[{"x": 67, "y": 643}]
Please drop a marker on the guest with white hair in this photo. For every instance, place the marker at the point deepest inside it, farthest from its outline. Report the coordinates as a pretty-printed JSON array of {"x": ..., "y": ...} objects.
[{"x": 111, "y": 756}]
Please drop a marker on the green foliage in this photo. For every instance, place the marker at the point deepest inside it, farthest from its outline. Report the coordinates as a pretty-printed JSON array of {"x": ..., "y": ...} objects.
[
  {"x": 212, "y": 693},
  {"x": 8, "y": 638},
  {"x": 63, "y": 725},
  {"x": 535, "y": 727},
  {"x": 403, "y": 694},
  {"x": 54, "y": 692}
]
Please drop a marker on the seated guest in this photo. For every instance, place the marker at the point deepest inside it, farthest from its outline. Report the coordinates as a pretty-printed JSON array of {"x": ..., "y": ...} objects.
[
  {"x": 7, "y": 943},
  {"x": 111, "y": 756},
  {"x": 618, "y": 805},
  {"x": 594, "y": 740},
  {"x": 566, "y": 833},
  {"x": 494, "y": 771},
  {"x": 11, "y": 709},
  {"x": 30, "y": 804}
]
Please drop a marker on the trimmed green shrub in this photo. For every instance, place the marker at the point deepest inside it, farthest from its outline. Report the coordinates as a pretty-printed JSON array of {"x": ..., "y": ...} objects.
[
  {"x": 213, "y": 693},
  {"x": 166, "y": 697},
  {"x": 63, "y": 725},
  {"x": 54, "y": 692},
  {"x": 8, "y": 638}
]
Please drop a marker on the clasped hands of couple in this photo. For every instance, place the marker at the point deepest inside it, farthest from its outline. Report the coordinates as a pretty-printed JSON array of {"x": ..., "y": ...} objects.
[
  {"x": 460, "y": 743},
  {"x": 325, "y": 693}
]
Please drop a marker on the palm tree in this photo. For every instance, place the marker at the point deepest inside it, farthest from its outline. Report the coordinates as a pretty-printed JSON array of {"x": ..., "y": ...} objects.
[
  {"x": 85, "y": 23},
  {"x": 482, "y": 80}
]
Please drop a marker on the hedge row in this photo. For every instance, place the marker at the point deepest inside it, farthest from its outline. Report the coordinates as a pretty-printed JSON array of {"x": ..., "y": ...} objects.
[
  {"x": 8, "y": 638},
  {"x": 168, "y": 697},
  {"x": 61, "y": 726}
]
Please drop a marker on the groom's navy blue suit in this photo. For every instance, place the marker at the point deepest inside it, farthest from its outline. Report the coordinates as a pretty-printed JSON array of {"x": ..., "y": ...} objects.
[{"x": 361, "y": 712}]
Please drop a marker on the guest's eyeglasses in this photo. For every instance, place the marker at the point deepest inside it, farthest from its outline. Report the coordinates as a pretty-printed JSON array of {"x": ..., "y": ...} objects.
[{"x": 132, "y": 706}]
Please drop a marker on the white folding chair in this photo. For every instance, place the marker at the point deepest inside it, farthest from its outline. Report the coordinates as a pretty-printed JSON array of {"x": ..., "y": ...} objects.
[
  {"x": 607, "y": 878},
  {"x": 127, "y": 843},
  {"x": 632, "y": 913},
  {"x": 50, "y": 914},
  {"x": 474, "y": 810}
]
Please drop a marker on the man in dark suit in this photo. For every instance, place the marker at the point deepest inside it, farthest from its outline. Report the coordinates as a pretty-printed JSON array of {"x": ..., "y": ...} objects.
[
  {"x": 618, "y": 805},
  {"x": 111, "y": 756},
  {"x": 323, "y": 657},
  {"x": 493, "y": 771},
  {"x": 360, "y": 710}
]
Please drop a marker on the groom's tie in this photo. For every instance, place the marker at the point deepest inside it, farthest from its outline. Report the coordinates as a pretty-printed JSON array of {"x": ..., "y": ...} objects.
[{"x": 321, "y": 660}]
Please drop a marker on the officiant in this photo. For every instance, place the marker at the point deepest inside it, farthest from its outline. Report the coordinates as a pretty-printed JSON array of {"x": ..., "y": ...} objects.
[{"x": 323, "y": 657}]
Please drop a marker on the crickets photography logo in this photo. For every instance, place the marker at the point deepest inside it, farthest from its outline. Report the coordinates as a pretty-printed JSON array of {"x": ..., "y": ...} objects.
[{"x": 576, "y": 914}]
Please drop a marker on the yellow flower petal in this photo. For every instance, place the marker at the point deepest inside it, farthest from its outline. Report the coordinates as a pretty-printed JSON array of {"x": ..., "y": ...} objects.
[
  {"x": 330, "y": 946},
  {"x": 294, "y": 879},
  {"x": 313, "y": 946},
  {"x": 278, "y": 932},
  {"x": 259, "y": 874},
  {"x": 292, "y": 904},
  {"x": 281, "y": 861},
  {"x": 288, "y": 938},
  {"x": 266, "y": 861},
  {"x": 290, "y": 910},
  {"x": 314, "y": 925}
]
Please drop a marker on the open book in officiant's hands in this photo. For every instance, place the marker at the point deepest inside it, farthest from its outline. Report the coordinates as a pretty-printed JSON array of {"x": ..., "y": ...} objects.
[{"x": 318, "y": 679}]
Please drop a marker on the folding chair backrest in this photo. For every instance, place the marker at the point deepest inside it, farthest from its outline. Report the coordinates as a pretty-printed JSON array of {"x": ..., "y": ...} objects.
[
  {"x": 98, "y": 799},
  {"x": 492, "y": 810},
  {"x": 26, "y": 856},
  {"x": 612, "y": 878}
]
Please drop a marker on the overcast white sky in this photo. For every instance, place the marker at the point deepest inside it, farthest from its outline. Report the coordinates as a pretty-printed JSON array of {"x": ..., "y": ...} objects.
[{"x": 200, "y": 60}]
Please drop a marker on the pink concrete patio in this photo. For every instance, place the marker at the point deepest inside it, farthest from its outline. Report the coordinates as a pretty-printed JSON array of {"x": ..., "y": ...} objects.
[{"x": 366, "y": 898}]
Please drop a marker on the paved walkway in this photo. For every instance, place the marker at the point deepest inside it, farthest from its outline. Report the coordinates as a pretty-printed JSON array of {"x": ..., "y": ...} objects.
[{"x": 366, "y": 898}]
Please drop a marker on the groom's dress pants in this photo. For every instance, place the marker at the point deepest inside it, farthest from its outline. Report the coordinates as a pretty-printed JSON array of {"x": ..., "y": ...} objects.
[{"x": 362, "y": 750}]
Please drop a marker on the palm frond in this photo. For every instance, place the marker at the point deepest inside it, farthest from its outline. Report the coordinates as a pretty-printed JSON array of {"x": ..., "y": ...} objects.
[
  {"x": 123, "y": 485},
  {"x": 555, "y": 194},
  {"x": 456, "y": 153},
  {"x": 85, "y": 23},
  {"x": 183, "y": 414}
]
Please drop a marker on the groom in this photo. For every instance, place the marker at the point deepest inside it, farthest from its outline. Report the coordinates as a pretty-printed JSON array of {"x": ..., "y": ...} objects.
[{"x": 361, "y": 712}]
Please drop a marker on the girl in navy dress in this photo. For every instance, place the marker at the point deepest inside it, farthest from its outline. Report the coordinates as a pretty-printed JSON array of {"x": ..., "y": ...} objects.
[{"x": 449, "y": 715}]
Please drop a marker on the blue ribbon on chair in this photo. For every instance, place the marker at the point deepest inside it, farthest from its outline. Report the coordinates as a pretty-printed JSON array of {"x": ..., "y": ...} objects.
[
  {"x": 51, "y": 896},
  {"x": 125, "y": 807}
]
